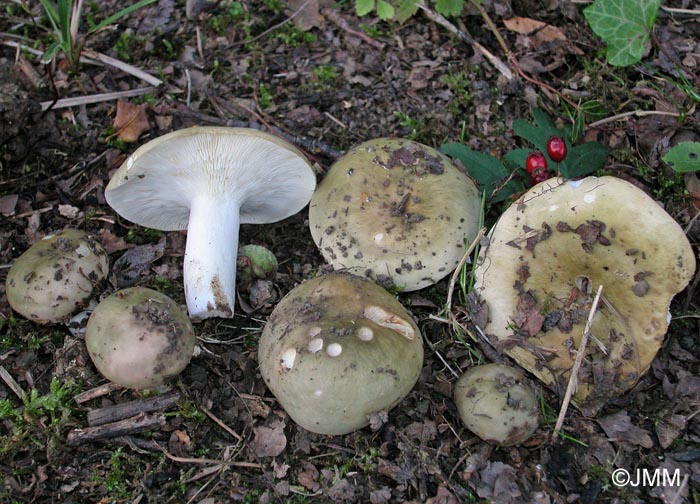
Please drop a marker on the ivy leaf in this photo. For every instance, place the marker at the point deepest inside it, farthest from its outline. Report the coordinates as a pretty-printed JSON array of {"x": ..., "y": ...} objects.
[
  {"x": 684, "y": 157},
  {"x": 363, "y": 7},
  {"x": 488, "y": 171},
  {"x": 385, "y": 10},
  {"x": 624, "y": 25}
]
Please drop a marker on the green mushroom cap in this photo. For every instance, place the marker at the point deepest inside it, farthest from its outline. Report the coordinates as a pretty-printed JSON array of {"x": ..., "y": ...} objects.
[
  {"x": 497, "y": 404},
  {"x": 139, "y": 338},
  {"x": 396, "y": 209},
  {"x": 336, "y": 349},
  {"x": 54, "y": 277}
]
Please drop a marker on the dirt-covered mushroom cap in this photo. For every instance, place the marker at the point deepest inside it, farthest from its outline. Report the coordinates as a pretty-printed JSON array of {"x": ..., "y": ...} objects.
[
  {"x": 548, "y": 254},
  {"x": 209, "y": 180},
  {"x": 497, "y": 403},
  {"x": 56, "y": 275},
  {"x": 396, "y": 209},
  {"x": 139, "y": 338},
  {"x": 336, "y": 349}
]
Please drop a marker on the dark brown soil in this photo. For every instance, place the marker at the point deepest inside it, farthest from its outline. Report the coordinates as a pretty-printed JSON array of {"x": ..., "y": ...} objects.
[{"x": 345, "y": 80}]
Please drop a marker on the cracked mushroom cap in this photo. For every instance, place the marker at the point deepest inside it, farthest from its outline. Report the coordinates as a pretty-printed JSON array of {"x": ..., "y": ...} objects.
[
  {"x": 396, "y": 209},
  {"x": 55, "y": 277},
  {"x": 209, "y": 180},
  {"x": 338, "y": 348},
  {"x": 548, "y": 254},
  {"x": 497, "y": 403},
  {"x": 139, "y": 338}
]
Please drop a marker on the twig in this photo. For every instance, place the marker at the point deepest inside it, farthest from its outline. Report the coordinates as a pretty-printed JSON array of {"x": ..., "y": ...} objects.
[
  {"x": 186, "y": 460},
  {"x": 573, "y": 378},
  {"x": 116, "y": 412},
  {"x": 96, "y": 98},
  {"x": 221, "y": 424},
  {"x": 672, "y": 10},
  {"x": 636, "y": 113},
  {"x": 466, "y": 37},
  {"x": 96, "y": 392},
  {"x": 10, "y": 381},
  {"x": 138, "y": 423},
  {"x": 124, "y": 67},
  {"x": 337, "y": 20}
]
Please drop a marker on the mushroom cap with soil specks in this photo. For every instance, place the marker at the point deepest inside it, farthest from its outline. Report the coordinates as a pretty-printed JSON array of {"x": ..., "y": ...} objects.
[
  {"x": 396, "y": 209},
  {"x": 497, "y": 403},
  {"x": 209, "y": 180},
  {"x": 338, "y": 348},
  {"x": 548, "y": 254},
  {"x": 139, "y": 338},
  {"x": 54, "y": 277}
]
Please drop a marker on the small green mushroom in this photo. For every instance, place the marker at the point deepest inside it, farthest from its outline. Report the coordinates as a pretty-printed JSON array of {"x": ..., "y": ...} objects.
[
  {"x": 55, "y": 277},
  {"x": 497, "y": 404},
  {"x": 254, "y": 262},
  {"x": 139, "y": 338},
  {"x": 336, "y": 349}
]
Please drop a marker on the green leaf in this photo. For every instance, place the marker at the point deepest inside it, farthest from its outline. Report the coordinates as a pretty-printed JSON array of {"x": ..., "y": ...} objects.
[
  {"x": 624, "y": 25},
  {"x": 363, "y": 7},
  {"x": 50, "y": 52},
  {"x": 115, "y": 17},
  {"x": 684, "y": 157},
  {"x": 449, "y": 7},
  {"x": 407, "y": 9},
  {"x": 584, "y": 159},
  {"x": 488, "y": 171},
  {"x": 385, "y": 10}
]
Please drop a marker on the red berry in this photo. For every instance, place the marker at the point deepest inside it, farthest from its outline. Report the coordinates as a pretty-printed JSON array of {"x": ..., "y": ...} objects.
[
  {"x": 535, "y": 161},
  {"x": 539, "y": 175},
  {"x": 556, "y": 149}
]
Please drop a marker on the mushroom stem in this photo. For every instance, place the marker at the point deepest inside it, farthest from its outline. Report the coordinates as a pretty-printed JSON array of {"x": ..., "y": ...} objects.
[{"x": 210, "y": 257}]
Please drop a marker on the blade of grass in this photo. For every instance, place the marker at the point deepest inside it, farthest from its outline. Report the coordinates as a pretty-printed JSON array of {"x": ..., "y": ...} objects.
[{"x": 115, "y": 17}]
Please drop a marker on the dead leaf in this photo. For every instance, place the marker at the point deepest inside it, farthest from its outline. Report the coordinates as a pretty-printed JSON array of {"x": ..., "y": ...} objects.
[
  {"x": 443, "y": 496},
  {"x": 308, "y": 476},
  {"x": 381, "y": 496},
  {"x": 421, "y": 432},
  {"x": 68, "y": 211},
  {"x": 280, "y": 469},
  {"x": 308, "y": 17},
  {"x": 8, "y": 203},
  {"x": 539, "y": 32},
  {"x": 498, "y": 483},
  {"x": 269, "y": 442},
  {"x": 112, "y": 242},
  {"x": 341, "y": 491},
  {"x": 133, "y": 263},
  {"x": 619, "y": 428},
  {"x": 377, "y": 419},
  {"x": 130, "y": 121},
  {"x": 179, "y": 443}
]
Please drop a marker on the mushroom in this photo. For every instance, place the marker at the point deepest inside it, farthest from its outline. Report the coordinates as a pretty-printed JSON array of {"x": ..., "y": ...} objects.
[
  {"x": 396, "y": 209},
  {"x": 497, "y": 403},
  {"x": 139, "y": 338},
  {"x": 255, "y": 262},
  {"x": 336, "y": 349},
  {"x": 208, "y": 180},
  {"x": 56, "y": 276},
  {"x": 551, "y": 250}
]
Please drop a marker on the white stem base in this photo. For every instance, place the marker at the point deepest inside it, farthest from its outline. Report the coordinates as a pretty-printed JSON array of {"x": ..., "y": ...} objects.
[{"x": 210, "y": 257}]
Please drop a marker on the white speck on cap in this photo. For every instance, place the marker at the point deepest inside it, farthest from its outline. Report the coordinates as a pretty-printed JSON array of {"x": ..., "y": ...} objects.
[
  {"x": 334, "y": 349},
  {"x": 379, "y": 237},
  {"x": 288, "y": 357},
  {"x": 575, "y": 183},
  {"x": 365, "y": 333},
  {"x": 315, "y": 345},
  {"x": 318, "y": 393},
  {"x": 589, "y": 198},
  {"x": 314, "y": 331}
]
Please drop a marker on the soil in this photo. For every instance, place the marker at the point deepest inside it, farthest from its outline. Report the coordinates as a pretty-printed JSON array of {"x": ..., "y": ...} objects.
[{"x": 326, "y": 85}]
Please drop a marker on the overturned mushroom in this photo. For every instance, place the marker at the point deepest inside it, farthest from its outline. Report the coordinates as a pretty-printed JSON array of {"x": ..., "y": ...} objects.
[
  {"x": 54, "y": 277},
  {"x": 548, "y": 254},
  {"x": 497, "y": 403},
  {"x": 397, "y": 209},
  {"x": 139, "y": 338},
  {"x": 209, "y": 180},
  {"x": 337, "y": 349}
]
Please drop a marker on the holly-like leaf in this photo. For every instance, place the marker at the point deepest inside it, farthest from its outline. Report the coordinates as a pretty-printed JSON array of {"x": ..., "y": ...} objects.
[
  {"x": 363, "y": 7},
  {"x": 684, "y": 157},
  {"x": 488, "y": 171},
  {"x": 624, "y": 25}
]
